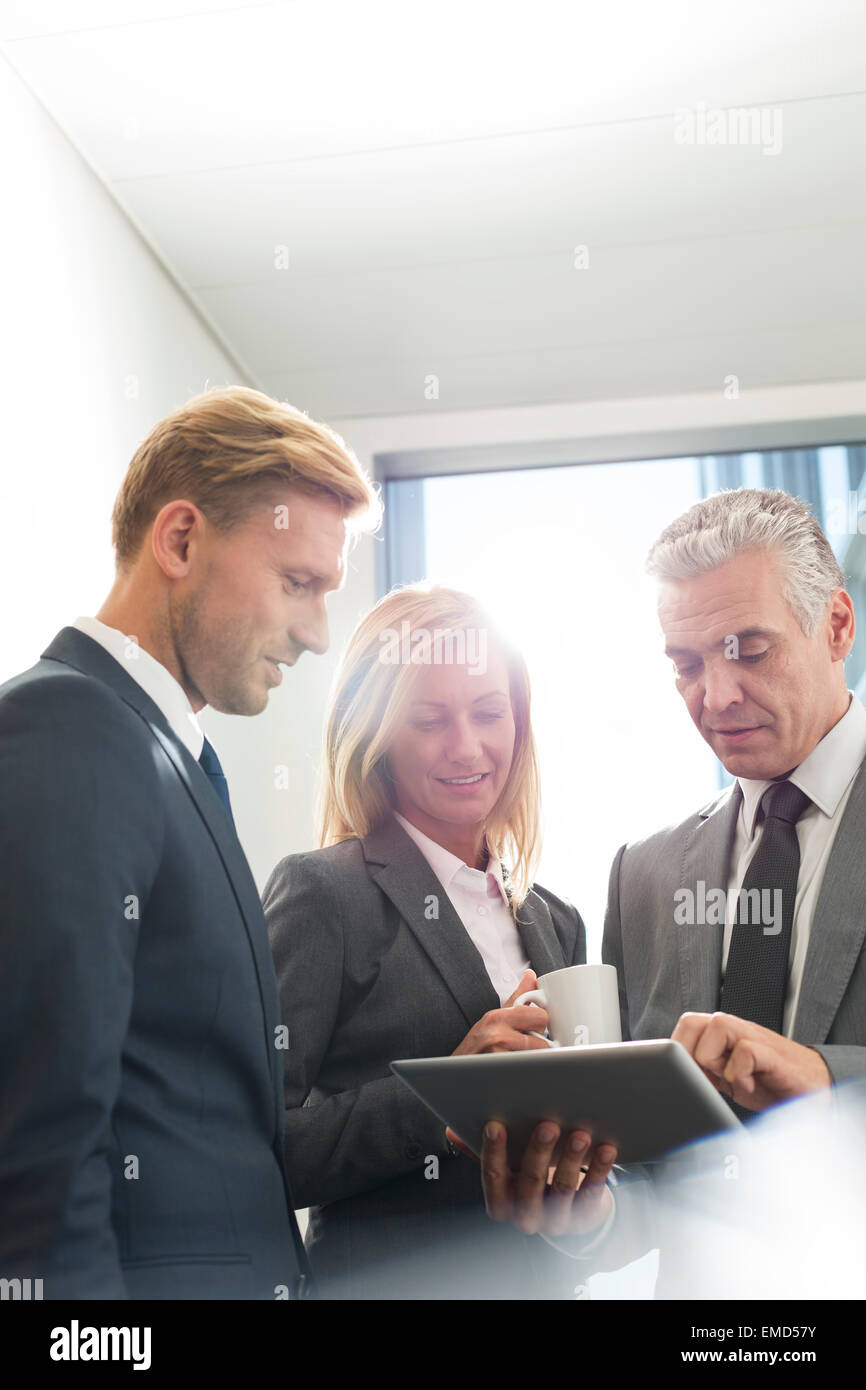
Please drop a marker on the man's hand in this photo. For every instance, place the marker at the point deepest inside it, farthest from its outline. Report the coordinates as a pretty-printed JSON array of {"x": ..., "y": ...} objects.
[
  {"x": 566, "y": 1201},
  {"x": 753, "y": 1065}
]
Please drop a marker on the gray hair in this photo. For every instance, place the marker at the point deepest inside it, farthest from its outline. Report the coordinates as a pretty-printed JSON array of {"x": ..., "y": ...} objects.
[{"x": 713, "y": 531}]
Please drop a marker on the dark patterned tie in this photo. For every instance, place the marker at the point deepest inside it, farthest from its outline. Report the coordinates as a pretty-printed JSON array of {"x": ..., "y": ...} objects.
[
  {"x": 209, "y": 761},
  {"x": 756, "y": 978}
]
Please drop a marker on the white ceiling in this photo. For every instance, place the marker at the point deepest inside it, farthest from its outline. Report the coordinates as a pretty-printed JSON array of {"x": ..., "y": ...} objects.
[{"x": 431, "y": 168}]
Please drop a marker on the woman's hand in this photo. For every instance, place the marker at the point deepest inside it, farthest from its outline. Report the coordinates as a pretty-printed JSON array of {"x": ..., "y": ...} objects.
[{"x": 508, "y": 1029}]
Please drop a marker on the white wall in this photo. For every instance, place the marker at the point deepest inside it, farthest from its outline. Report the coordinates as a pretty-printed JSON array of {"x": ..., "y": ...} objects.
[{"x": 97, "y": 343}]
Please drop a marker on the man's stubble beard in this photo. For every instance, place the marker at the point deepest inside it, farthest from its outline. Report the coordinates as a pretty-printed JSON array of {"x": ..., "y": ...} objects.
[{"x": 211, "y": 659}]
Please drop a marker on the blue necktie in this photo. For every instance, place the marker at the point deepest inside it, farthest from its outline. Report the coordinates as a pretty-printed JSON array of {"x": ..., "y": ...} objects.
[{"x": 211, "y": 765}]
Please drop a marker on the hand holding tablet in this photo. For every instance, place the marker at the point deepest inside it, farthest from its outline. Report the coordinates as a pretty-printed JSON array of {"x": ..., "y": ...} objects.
[
  {"x": 571, "y": 1198},
  {"x": 549, "y": 1122},
  {"x": 642, "y": 1098}
]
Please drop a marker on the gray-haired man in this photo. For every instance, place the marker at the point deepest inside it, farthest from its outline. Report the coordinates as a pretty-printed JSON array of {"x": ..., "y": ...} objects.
[
  {"x": 740, "y": 931},
  {"x": 758, "y": 625}
]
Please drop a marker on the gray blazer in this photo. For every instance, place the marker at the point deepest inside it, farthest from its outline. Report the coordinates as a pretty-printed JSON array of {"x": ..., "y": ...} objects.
[
  {"x": 665, "y": 969},
  {"x": 368, "y": 973}
]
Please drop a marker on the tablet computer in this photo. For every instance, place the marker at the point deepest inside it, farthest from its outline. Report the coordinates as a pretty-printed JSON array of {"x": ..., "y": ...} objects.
[{"x": 647, "y": 1098}]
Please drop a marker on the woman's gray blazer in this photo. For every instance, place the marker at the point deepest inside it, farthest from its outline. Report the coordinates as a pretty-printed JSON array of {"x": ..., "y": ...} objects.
[{"x": 374, "y": 964}]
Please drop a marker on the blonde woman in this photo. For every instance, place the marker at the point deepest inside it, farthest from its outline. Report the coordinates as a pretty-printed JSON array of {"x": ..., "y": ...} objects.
[{"x": 409, "y": 933}]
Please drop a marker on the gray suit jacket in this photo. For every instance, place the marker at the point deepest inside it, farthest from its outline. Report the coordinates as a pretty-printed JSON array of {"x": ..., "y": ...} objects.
[
  {"x": 665, "y": 969},
  {"x": 368, "y": 974}
]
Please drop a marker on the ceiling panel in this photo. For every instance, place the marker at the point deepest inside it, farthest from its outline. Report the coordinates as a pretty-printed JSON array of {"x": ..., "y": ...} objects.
[
  {"x": 20, "y": 19},
  {"x": 525, "y": 195},
  {"x": 726, "y": 284},
  {"x": 597, "y": 372},
  {"x": 257, "y": 83},
  {"x": 428, "y": 174}
]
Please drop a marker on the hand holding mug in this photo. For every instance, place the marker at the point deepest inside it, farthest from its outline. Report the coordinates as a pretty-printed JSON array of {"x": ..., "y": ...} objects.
[{"x": 509, "y": 1028}]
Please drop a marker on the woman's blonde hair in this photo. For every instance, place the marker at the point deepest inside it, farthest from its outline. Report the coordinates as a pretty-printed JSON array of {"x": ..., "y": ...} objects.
[
  {"x": 368, "y": 699},
  {"x": 229, "y": 451}
]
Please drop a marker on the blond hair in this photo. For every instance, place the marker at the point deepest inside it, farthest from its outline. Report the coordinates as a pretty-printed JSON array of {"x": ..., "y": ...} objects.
[
  {"x": 367, "y": 701},
  {"x": 229, "y": 451}
]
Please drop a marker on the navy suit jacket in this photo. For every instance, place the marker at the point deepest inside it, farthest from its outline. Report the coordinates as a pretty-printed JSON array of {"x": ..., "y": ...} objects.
[{"x": 141, "y": 1106}]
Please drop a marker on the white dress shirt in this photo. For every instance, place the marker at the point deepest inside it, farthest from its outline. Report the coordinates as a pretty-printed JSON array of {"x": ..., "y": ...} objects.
[
  {"x": 478, "y": 897},
  {"x": 153, "y": 678},
  {"x": 826, "y": 776}
]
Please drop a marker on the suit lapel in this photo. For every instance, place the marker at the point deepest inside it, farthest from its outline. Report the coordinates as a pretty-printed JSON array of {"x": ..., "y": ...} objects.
[
  {"x": 76, "y": 649},
  {"x": 538, "y": 935},
  {"x": 838, "y": 924},
  {"x": 399, "y": 868},
  {"x": 229, "y": 848},
  {"x": 706, "y": 858}
]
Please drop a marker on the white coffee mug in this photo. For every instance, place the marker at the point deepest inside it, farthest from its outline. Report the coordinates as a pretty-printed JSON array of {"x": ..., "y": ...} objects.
[{"x": 582, "y": 1003}]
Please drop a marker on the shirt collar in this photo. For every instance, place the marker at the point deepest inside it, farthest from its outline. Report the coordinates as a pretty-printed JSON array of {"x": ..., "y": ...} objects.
[
  {"x": 446, "y": 866},
  {"x": 154, "y": 679},
  {"x": 826, "y": 773}
]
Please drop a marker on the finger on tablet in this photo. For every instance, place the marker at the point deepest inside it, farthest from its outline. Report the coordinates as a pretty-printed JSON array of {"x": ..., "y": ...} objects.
[
  {"x": 601, "y": 1160},
  {"x": 713, "y": 1048},
  {"x": 565, "y": 1182},
  {"x": 495, "y": 1175},
  {"x": 747, "y": 1058},
  {"x": 531, "y": 1184},
  {"x": 689, "y": 1029}
]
